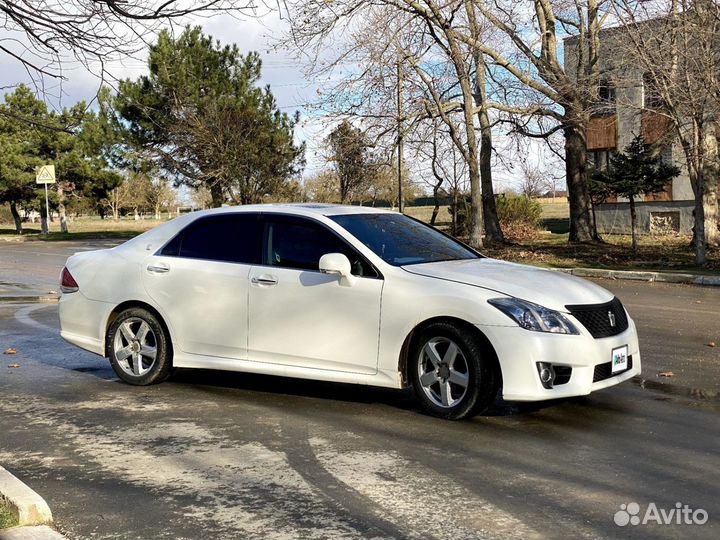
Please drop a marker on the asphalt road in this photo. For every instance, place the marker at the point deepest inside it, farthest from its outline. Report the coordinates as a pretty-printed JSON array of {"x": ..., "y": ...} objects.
[{"x": 218, "y": 455}]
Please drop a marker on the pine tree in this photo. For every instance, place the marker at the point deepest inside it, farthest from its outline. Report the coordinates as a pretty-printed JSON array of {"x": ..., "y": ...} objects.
[{"x": 638, "y": 170}]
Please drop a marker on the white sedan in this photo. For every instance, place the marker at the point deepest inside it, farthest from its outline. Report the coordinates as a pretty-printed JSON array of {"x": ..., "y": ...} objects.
[{"x": 345, "y": 294}]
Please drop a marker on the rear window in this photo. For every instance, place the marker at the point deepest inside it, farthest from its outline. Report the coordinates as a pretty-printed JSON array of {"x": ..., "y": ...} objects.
[{"x": 233, "y": 238}]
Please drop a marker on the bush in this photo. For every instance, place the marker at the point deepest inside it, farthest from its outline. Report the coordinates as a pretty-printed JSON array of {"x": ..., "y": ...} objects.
[
  {"x": 518, "y": 210},
  {"x": 519, "y": 217},
  {"x": 5, "y": 215}
]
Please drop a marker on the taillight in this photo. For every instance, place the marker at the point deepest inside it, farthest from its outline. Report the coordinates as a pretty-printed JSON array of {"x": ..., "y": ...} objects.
[{"x": 67, "y": 282}]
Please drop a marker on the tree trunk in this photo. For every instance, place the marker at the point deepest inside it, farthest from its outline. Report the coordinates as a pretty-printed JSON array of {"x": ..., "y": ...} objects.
[
  {"x": 581, "y": 227},
  {"x": 633, "y": 223},
  {"x": 596, "y": 234},
  {"x": 44, "y": 226},
  {"x": 712, "y": 235},
  {"x": 493, "y": 232},
  {"x": 436, "y": 208},
  {"x": 61, "y": 209},
  {"x": 16, "y": 218},
  {"x": 710, "y": 196},
  {"x": 217, "y": 195},
  {"x": 699, "y": 230},
  {"x": 454, "y": 213}
]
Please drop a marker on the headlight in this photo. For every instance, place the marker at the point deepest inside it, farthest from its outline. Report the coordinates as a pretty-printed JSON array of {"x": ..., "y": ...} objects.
[{"x": 534, "y": 317}]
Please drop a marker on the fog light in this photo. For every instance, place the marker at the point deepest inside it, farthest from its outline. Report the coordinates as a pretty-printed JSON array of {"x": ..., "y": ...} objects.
[{"x": 547, "y": 374}]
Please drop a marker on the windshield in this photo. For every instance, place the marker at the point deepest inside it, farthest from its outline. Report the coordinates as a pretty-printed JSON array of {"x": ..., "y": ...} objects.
[{"x": 400, "y": 240}]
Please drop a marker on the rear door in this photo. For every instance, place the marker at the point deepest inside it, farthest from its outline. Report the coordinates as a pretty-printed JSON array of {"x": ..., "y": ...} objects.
[
  {"x": 300, "y": 317},
  {"x": 200, "y": 281}
]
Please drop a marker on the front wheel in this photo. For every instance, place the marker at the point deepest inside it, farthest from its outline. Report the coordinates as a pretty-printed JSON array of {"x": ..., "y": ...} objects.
[
  {"x": 139, "y": 348},
  {"x": 452, "y": 372}
]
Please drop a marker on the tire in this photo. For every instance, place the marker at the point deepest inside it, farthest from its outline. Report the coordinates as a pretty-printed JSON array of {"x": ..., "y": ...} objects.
[
  {"x": 139, "y": 348},
  {"x": 453, "y": 374}
]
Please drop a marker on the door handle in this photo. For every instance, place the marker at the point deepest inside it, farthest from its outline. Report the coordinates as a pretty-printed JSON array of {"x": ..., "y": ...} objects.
[
  {"x": 159, "y": 268},
  {"x": 264, "y": 280}
]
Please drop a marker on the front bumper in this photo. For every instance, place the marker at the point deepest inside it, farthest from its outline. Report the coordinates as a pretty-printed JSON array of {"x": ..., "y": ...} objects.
[{"x": 519, "y": 350}]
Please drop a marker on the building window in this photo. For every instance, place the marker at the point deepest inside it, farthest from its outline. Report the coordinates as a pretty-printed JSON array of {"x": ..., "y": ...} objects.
[{"x": 606, "y": 98}]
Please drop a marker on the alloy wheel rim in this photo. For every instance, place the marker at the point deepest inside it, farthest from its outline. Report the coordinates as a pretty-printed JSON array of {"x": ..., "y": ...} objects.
[
  {"x": 135, "y": 347},
  {"x": 443, "y": 372}
]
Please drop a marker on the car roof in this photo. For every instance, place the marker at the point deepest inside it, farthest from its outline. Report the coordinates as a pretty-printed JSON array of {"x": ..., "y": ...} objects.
[
  {"x": 153, "y": 238},
  {"x": 299, "y": 209}
]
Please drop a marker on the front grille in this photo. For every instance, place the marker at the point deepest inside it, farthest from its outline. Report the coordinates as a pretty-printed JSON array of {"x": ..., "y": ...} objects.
[
  {"x": 601, "y": 320},
  {"x": 604, "y": 371}
]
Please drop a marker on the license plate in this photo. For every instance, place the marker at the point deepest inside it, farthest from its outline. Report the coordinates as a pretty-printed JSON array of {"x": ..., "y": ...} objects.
[{"x": 619, "y": 359}]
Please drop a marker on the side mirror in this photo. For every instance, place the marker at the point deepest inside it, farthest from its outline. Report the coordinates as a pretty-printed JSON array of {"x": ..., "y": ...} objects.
[{"x": 337, "y": 264}]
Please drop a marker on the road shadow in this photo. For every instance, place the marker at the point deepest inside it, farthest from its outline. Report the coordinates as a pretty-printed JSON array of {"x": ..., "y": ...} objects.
[{"x": 338, "y": 392}]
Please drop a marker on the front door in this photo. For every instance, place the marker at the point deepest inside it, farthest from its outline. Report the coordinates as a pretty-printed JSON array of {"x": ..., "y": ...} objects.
[{"x": 300, "y": 317}]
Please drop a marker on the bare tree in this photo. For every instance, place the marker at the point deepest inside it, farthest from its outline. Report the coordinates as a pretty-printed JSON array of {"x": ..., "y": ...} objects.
[
  {"x": 46, "y": 36},
  {"x": 160, "y": 196},
  {"x": 533, "y": 182},
  {"x": 525, "y": 64},
  {"x": 322, "y": 187},
  {"x": 441, "y": 77},
  {"x": 675, "y": 45}
]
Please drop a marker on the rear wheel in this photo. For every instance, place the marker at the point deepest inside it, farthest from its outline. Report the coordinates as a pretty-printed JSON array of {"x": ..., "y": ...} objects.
[
  {"x": 452, "y": 372},
  {"x": 139, "y": 348}
]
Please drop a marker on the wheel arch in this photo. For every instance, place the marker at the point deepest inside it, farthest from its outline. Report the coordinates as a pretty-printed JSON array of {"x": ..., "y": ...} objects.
[
  {"x": 403, "y": 361},
  {"x": 129, "y": 304}
]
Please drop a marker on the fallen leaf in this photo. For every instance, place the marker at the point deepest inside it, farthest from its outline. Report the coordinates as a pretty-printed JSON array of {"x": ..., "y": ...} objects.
[
  {"x": 14, "y": 365},
  {"x": 11, "y": 350},
  {"x": 711, "y": 344},
  {"x": 666, "y": 374}
]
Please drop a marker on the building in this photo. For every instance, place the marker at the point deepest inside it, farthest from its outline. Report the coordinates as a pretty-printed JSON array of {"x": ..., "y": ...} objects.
[{"x": 629, "y": 107}]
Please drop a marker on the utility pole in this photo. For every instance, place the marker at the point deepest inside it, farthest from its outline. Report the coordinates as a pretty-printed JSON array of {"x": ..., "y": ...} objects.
[{"x": 401, "y": 201}]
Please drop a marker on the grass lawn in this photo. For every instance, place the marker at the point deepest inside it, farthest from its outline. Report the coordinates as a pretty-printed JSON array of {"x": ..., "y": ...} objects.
[
  {"x": 7, "y": 518},
  {"x": 671, "y": 254},
  {"x": 82, "y": 228}
]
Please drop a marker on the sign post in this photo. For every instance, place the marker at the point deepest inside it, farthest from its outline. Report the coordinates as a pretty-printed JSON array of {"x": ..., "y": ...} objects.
[{"x": 46, "y": 175}]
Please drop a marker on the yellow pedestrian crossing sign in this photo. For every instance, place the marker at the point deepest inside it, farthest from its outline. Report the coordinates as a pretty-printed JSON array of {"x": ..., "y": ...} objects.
[{"x": 45, "y": 174}]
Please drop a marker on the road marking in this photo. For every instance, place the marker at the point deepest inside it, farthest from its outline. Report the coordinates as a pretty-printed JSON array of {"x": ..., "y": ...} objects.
[{"x": 23, "y": 316}]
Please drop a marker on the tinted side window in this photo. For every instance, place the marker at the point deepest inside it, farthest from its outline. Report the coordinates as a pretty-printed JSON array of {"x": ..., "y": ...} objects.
[
  {"x": 229, "y": 238},
  {"x": 299, "y": 243}
]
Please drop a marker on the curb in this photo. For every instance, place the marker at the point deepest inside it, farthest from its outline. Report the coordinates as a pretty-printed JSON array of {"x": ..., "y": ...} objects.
[
  {"x": 29, "y": 299},
  {"x": 40, "y": 532},
  {"x": 29, "y": 507},
  {"x": 660, "y": 277}
]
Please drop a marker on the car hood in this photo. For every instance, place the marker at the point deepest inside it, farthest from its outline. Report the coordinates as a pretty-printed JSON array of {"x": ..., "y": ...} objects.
[{"x": 548, "y": 288}]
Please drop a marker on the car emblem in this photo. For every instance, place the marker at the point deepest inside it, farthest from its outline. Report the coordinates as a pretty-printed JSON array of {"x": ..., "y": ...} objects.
[{"x": 611, "y": 318}]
